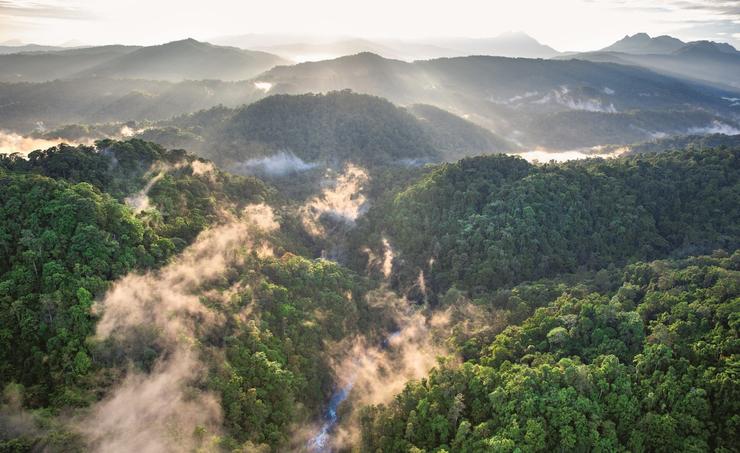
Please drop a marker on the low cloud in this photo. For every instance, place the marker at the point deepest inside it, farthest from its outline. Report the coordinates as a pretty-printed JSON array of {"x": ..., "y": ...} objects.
[
  {"x": 166, "y": 410},
  {"x": 140, "y": 200},
  {"x": 563, "y": 96},
  {"x": 11, "y": 143},
  {"x": 374, "y": 372},
  {"x": 342, "y": 199},
  {"x": 280, "y": 164},
  {"x": 716, "y": 127},
  {"x": 263, "y": 86},
  {"x": 201, "y": 168},
  {"x": 383, "y": 263}
]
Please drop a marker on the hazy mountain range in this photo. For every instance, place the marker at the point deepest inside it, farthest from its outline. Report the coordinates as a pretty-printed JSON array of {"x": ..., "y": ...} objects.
[
  {"x": 305, "y": 48},
  {"x": 187, "y": 59},
  {"x": 10, "y": 48},
  {"x": 534, "y": 102},
  {"x": 242, "y": 57},
  {"x": 716, "y": 63},
  {"x": 582, "y": 100},
  {"x": 642, "y": 43}
]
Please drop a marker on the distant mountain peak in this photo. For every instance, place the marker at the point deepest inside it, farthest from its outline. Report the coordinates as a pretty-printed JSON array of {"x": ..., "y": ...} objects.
[
  {"x": 368, "y": 54},
  {"x": 365, "y": 57},
  {"x": 638, "y": 36},
  {"x": 184, "y": 42},
  {"x": 707, "y": 48},
  {"x": 508, "y": 44},
  {"x": 642, "y": 43},
  {"x": 186, "y": 59}
]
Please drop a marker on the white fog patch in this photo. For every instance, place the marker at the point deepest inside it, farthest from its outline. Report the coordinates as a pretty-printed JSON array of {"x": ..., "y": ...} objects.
[
  {"x": 370, "y": 373},
  {"x": 421, "y": 283},
  {"x": 384, "y": 263},
  {"x": 203, "y": 168},
  {"x": 734, "y": 102},
  {"x": 154, "y": 412},
  {"x": 263, "y": 86},
  {"x": 164, "y": 410},
  {"x": 342, "y": 199},
  {"x": 140, "y": 200},
  {"x": 415, "y": 162},
  {"x": 608, "y": 91},
  {"x": 388, "y": 257},
  {"x": 526, "y": 95},
  {"x": 544, "y": 155},
  {"x": 11, "y": 143},
  {"x": 515, "y": 99},
  {"x": 657, "y": 135},
  {"x": 280, "y": 164},
  {"x": 564, "y": 97},
  {"x": 716, "y": 127},
  {"x": 128, "y": 132}
]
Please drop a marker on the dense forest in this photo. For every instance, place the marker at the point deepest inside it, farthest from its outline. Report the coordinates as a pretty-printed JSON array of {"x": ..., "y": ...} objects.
[
  {"x": 488, "y": 304},
  {"x": 334, "y": 128},
  {"x": 493, "y": 221},
  {"x": 643, "y": 361},
  {"x": 338, "y": 228}
]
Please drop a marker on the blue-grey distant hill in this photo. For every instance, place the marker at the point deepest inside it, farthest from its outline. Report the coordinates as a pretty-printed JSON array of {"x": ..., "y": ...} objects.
[
  {"x": 175, "y": 61},
  {"x": 707, "y": 61}
]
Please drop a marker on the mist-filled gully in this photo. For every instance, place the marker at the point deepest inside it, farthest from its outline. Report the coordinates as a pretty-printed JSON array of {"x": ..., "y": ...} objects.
[
  {"x": 443, "y": 240},
  {"x": 170, "y": 301},
  {"x": 366, "y": 373},
  {"x": 321, "y": 441}
]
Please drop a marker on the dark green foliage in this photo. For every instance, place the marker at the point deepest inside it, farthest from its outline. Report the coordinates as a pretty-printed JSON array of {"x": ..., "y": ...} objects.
[
  {"x": 456, "y": 137},
  {"x": 63, "y": 239},
  {"x": 648, "y": 367},
  {"x": 334, "y": 127},
  {"x": 599, "y": 354},
  {"x": 492, "y": 221},
  {"x": 275, "y": 369},
  {"x": 60, "y": 244},
  {"x": 186, "y": 200}
]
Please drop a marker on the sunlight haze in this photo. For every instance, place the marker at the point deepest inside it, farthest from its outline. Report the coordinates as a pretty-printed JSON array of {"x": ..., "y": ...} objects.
[{"x": 566, "y": 25}]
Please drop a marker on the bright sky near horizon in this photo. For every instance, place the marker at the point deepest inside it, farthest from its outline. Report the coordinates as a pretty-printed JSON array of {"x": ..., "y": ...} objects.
[{"x": 575, "y": 25}]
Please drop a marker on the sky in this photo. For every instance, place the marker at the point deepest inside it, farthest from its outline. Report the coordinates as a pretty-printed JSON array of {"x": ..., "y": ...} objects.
[{"x": 566, "y": 25}]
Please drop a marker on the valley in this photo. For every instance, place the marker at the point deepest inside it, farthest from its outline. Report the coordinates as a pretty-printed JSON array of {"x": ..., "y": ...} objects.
[{"x": 277, "y": 242}]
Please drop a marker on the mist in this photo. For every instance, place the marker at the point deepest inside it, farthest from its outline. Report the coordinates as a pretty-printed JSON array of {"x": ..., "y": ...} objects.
[
  {"x": 545, "y": 155},
  {"x": 304, "y": 226},
  {"x": 140, "y": 200},
  {"x": 370, "y": 373},
  {"x": 11, "y": 143},
  {"x": 565, "y": 97},
  {"x": 716, "y": 127},
  {"x": 279, "y": 164},
  {"x": 151, "y": 412},
  {"x": 341, "y": 199}
]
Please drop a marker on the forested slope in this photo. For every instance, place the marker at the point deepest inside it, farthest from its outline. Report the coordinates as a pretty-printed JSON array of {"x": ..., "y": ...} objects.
[
  {"x": 130, "y": 273},
  {"x": 188, "y": 192},
  {"x": 493, "y": 221},
  {"x": 72, "y": 238},
  {"x": 647, "y": 363},
  {"x": 60, "y": 244}
]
